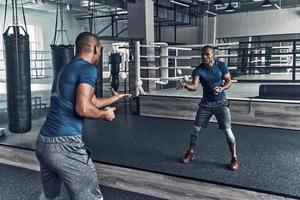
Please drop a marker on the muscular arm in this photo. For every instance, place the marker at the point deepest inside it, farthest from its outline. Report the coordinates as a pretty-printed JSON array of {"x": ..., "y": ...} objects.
[
  {"x": 190, "y": 87},
  {"x": 103, "y": 102},
  {"x": 227, "y": 83},
  {"x": 84, "y": 106}
]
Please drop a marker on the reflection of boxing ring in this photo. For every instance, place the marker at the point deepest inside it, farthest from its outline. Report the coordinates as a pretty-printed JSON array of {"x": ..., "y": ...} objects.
[
  {"x": 171, "y": 54},
  {"x": 252, "y": 61},
  {"x": 163, "y": 68}
]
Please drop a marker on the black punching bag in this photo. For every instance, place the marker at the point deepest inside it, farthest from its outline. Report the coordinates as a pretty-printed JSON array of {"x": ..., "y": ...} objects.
[
  {"x": 114, "y": 61},
  {"x": 17, "y": 58},
  {"x": 61, "y": 55}
]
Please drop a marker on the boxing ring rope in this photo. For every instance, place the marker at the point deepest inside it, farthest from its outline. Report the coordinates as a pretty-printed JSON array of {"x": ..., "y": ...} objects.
[{"x": 214, "y": 45}]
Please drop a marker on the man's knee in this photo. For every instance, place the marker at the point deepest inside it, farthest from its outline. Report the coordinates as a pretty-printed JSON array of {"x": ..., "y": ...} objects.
[
  {"x": 194, "y": 134},
  {"x": 196, "y": 130}
]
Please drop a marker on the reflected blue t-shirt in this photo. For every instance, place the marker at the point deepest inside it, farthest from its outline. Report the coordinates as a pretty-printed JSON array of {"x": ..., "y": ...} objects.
[
  {"x": 62, "y": 119},
  {"x": 210, "y": 78}
]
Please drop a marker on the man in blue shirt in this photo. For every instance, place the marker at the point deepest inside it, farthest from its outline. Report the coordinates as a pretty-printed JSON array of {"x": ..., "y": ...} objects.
[
  {"x": 215, "y": 79},
  {"x": 63, "y": 157}
]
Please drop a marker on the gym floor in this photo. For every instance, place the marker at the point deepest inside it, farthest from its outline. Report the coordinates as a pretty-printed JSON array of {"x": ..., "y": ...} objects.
[
  {"x": 24, "y": 184},
  {"x": 269, "y": 157}
]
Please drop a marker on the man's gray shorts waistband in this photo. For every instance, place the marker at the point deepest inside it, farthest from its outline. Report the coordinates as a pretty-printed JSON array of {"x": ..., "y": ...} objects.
[
  {"x": 60, "y": 139},
  {"x": 217, "y": 103}
]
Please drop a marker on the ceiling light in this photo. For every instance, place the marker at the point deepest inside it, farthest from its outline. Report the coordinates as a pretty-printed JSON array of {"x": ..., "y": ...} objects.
[
  {"x": 266, "y": 3},
  {"x": 218, "y": 3},
  {"x": 122, "y": 12},
  {"x": 212, "y": 13},
  {"x": 179, "y": 3},
  {"x": 229, "y": 8}
]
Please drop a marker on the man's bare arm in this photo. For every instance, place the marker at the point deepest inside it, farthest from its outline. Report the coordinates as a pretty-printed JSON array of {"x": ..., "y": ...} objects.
[
  {"x": 228, "y": 81},
  {"x": 84, "y": 106},
  {"x": 107, "y": 101},
  {"x": 226, "y": 85},
  {"x": 191, "y": 87}
]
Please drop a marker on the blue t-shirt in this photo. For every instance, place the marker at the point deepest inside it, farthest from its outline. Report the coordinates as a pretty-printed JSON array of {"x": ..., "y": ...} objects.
[
  {"x": 62, "y": 119},
  {"x": 211, "y": 78}
]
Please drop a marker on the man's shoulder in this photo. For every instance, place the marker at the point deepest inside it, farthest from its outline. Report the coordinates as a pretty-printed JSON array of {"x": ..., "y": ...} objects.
[
  {"x": 83, "y": 66},
  {"x": 199, "y": 67},
  {"x": 219, "y": 63},
  {"x": 77, "y": 61}
]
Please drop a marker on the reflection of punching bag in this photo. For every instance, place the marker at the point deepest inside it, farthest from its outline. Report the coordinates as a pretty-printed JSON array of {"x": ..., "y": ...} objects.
[
  {"x": 114, "y": 61},
  {"x": 17, "y": 58},
  {"x": 61, "y": 55}
]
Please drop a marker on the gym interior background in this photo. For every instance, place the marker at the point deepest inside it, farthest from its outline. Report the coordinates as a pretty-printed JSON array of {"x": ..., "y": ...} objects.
[{"x": 147, "y": 46}]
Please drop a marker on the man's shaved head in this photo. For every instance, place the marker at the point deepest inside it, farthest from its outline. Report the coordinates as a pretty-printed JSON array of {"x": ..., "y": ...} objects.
[
  {"x": 86, "y": 42},
  {"x": 208, "y": 47}
]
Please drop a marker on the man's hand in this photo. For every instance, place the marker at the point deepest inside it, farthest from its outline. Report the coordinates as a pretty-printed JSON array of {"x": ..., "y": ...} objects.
[
  {"x": 120, "y": 96},
  {"x": 181, "y": 84},
  {"x": 218, "y": 90},
  {"x": 109, "y": 113}
]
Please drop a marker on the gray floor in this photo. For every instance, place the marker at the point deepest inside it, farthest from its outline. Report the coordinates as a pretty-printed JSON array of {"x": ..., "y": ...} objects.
[
  {"x": 26, "y": 140},
  {"x": 23, "y": 184},
  {"x": 269, "y": 161},
  {"x": 268, "y": 156}
]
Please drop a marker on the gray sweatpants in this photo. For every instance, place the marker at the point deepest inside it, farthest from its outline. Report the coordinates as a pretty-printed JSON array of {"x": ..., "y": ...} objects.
[
  {"x": 222, "y": 113},
  {"x": 66, "y": 160}
]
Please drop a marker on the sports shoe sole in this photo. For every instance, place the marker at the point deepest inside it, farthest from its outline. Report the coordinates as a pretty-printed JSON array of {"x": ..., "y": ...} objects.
[{"x": 187, "y": 161}]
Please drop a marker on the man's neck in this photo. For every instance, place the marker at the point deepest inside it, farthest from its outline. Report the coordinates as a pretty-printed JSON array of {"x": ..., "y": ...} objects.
[
  {"x": 85, "y": 57},
  {"x": 210, "y": 65}
]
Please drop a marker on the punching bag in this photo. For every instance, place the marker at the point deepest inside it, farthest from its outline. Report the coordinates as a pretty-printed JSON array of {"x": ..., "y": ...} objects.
[
  {"x": 114, "y": 61},
  {"x": 61, "y": 55},
  {"x": 18, "y": 82}
]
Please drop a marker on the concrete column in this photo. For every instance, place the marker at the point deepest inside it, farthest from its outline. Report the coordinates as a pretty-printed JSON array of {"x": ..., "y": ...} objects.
[
  {"x": 141, "y": 27},
  {"x": 208, "y": 30}
]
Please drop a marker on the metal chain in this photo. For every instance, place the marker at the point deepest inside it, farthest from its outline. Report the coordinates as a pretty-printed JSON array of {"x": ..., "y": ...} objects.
[
  {"x": 16, "y": 8},
  {"x": 13, "y": 12},
  {"x": 61, "y": 7}
]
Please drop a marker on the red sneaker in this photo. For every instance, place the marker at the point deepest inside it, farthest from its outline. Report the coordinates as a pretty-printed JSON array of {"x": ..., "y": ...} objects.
[
  {"x": 234, "y": 163},
  {"x": 188, "y": 157}
]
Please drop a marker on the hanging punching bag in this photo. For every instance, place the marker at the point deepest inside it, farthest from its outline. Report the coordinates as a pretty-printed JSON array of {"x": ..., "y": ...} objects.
[
  {"x": 61, "y": 55},
  {"x": 17, "y": 58},
  {"x": 114, "y": 61}
]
